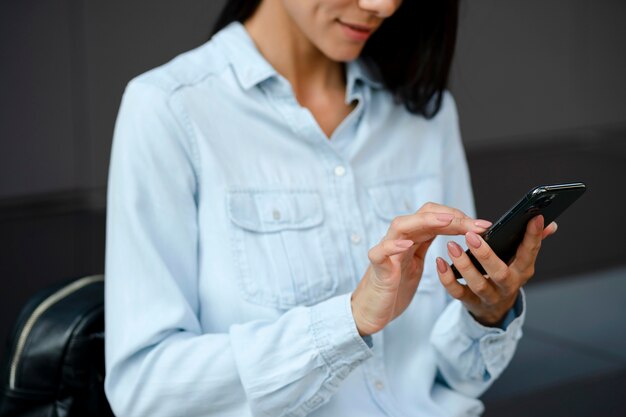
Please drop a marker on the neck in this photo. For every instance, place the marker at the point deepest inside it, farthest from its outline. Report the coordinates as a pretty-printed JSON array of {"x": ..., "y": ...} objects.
[{"x": 291, "y": 53}]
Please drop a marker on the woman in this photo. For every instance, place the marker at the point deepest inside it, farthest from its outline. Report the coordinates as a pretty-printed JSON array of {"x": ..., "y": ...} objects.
[{"x": 274, "y": 199}]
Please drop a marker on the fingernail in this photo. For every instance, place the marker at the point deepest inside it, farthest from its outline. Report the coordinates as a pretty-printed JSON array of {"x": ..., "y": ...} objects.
[
  {"x": 442, "y": 266},
  {"x": 404, "y": 244},
  {"x": 454, "y": 249},
  {"x": 473, "y": 240},
  {"x": 445, "y": 217},
  {"x": 556, "y": 226},
  {"x": 485, "y": 224}
]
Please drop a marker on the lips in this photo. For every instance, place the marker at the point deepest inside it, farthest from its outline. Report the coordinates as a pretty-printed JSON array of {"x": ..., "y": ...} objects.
[
  {"x": 360, "y": 28},
  {"x": 356, "y": 32}
]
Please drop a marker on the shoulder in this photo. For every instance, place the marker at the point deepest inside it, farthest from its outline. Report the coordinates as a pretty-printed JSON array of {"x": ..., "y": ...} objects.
[
  {"x": 446, "y": 118},
  {"x": 448, "y": 110},
  {"x": 151, "y": 116},
  {"x": 185, "y": 70},
  {"x": 447, "y": 113}
]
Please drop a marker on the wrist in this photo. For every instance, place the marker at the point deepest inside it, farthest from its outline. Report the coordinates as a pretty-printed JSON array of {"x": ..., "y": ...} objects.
[
  {"x": 495, "y": 316},
  {"x": 367, "y": 318},
  {"x": 492, "y": 320},
  {"x": 372, "y": 305},
  {"x": 356, "y": 315}
]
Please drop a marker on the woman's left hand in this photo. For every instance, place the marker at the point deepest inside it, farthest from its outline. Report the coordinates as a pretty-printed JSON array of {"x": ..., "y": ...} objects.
[{"x": 489, "y": 298}]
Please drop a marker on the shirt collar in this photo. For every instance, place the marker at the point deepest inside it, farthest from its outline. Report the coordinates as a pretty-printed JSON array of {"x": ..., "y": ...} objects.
[
  {"x": 249, "y": 65},
  {"x": 358, "y": 75},
  {"x": 358, "y": 70},
  {"x": 251, "y": 68}
]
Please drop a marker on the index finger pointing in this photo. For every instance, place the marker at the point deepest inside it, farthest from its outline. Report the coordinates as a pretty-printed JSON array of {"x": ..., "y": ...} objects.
[{"x": 425, "y": 225}]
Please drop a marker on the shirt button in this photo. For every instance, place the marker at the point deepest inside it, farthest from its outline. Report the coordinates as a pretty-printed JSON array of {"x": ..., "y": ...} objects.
[
  {"x": 340, "y": 170},
  {"x": 315, "y": 401},
  {"x": 276, "y": 214},
  {"x": 379, "y": 385},
  {"x": 355, "y": 238}
]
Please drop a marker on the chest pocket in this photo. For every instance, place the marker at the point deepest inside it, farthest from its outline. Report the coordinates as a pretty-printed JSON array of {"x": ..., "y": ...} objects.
[
  {"x": 279, "y": 245},
  {"x": 400, "y": 197}
]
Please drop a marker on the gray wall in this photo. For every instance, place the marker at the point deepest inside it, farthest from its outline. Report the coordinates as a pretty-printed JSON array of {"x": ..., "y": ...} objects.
[
  {"x": 534, "y": 67},
  {"x": 37, "y": 145},
  {"x": 63, "y": 68},
  {"x": 523, "y": 68}
]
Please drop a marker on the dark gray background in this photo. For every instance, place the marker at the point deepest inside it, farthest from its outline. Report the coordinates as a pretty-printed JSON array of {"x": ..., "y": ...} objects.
[{"x": 540, "y": 91}]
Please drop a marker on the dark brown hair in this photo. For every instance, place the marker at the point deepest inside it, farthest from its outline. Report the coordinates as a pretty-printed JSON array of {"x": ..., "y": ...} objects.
[{"x": 411, "y": 52}]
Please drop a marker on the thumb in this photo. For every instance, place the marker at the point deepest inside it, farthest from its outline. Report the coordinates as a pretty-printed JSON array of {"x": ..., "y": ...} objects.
[{"x": 381, "y": 255}]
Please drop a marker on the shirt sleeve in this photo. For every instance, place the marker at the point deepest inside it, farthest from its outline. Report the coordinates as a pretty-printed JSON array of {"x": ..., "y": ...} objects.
[
  {"x": 159, "y": 361},
  {"x": 470, "y": 356}
]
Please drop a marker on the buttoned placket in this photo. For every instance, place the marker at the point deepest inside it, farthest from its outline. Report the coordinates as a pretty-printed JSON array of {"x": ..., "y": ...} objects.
[
  {"x": 345, "y": 184},
  {"x": 344, "y": 194},
  {"x": 346, "y": 141},
  {"x": 373, "y": 369},
  {"x": 340, "y": 174}
]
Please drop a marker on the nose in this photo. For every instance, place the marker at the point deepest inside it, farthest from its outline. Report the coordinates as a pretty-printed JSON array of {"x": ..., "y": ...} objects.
[{"x": 381, "y": 8}]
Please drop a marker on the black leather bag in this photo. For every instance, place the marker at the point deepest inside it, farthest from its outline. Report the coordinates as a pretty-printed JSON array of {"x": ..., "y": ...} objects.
[{"x": 55, "y": 366}]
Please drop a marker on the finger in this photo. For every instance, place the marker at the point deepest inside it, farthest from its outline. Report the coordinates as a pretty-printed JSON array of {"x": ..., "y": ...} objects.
[
  {"x": 431, "y": 207},
  {"x": 452, "y": 286},
  {"x": 380, "y": 254},
  {"x": 423, "y": 226},
  {"x": 529, "y": 248},
  {"x": 420, "y": 253},
  {"x": 497, "y": 270},
  {"x": 481, "y": 286},
  {"x": 549, "y": 230}
]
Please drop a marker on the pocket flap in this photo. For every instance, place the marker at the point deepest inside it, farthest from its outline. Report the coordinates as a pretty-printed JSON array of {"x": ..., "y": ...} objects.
[
  {"x": 274, "y": 210},
  {"x": 405, "y": 196}
]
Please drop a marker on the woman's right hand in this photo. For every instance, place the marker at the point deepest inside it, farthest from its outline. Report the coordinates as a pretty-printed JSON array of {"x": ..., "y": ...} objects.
[{"x": 397, "y": 263}]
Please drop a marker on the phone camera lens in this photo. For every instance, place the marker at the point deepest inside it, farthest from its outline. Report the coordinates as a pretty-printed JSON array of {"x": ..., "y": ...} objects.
[
  {"x": 540, "y": 204},
  {"x": 544, "y": 201}
]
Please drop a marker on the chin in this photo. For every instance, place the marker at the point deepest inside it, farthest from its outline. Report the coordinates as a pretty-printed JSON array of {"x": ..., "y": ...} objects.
[{"x": 343, "y": 54}]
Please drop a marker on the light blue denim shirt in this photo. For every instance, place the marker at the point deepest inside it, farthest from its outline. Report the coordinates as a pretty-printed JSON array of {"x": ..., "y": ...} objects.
[{"x": 236, "y": 232}]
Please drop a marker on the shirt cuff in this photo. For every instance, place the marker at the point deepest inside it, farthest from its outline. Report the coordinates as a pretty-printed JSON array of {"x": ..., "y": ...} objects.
[
  {"x": 306, "y": 350},
  {"x": 514, "y": 312},
  {"x": 468, "y": 351},
  {"x": 336, "y": 335},
  {"x": 511, "y": 324},
  {"x": 497, "y": 344}
]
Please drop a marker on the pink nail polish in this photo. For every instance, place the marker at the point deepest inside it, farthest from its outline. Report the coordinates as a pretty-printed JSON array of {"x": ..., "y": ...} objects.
[
  {"x": 445, "y": 217},
  {"x": 404, "y": 244},
  {"x": 454, "y": 249},
  {"x": 442, "y": 266},
  {"x": 473, "y": 240},
  {"x": 485, "y": 224}
]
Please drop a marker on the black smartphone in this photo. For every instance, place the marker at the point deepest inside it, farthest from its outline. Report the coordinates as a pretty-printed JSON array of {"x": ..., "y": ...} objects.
[{"x": 505, "y": 235}]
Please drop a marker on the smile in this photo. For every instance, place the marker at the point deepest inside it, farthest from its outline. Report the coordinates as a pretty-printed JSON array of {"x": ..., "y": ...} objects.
[{"x": 359, "y": 33}]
